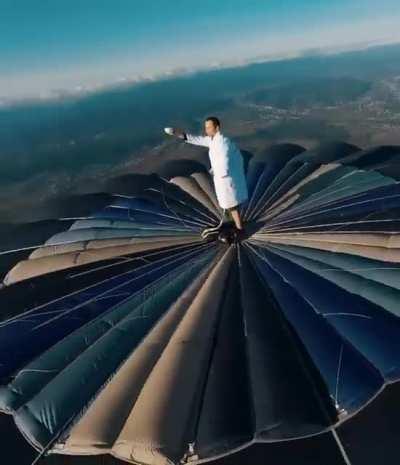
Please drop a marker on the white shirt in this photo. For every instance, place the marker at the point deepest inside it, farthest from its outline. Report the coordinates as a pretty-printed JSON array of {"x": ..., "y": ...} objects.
[
  {"x": 227, "y": 168},
  {"x": 222, "y": 152}
]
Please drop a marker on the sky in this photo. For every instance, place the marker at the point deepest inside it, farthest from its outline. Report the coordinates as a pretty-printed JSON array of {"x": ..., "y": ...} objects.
[{"x": 51, "y": 47}]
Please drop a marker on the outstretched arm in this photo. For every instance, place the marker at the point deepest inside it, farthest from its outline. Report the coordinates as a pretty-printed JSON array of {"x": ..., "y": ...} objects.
[
  {"x": 197, "y": 140},
  {"x": 190, "y": 138}
]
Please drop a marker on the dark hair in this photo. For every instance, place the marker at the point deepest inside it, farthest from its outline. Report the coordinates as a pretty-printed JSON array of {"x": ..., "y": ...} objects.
[{"x": 214, "y": 119}]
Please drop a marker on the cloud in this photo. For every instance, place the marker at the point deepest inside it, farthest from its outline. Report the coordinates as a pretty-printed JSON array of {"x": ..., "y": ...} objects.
[{"x": 126, "y": 71}]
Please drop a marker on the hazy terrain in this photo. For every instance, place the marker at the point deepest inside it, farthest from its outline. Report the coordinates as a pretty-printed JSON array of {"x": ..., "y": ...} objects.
[{"x": 69, "y": 145}]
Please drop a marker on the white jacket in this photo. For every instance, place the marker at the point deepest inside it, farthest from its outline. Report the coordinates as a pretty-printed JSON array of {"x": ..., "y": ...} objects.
[{"x": 227, "y": 168}]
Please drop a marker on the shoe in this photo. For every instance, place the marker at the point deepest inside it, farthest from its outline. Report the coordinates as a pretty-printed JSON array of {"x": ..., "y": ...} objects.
[{"x": 222, "y": 237}]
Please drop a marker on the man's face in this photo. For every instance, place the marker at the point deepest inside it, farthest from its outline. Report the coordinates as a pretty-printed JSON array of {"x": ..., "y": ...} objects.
[{"x": 209, "y": 128}]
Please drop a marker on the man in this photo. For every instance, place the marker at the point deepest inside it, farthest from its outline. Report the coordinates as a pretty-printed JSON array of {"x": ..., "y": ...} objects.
[{"x": 226, "y": 166}]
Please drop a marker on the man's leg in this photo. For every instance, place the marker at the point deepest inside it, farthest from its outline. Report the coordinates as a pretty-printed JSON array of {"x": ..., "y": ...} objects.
[{"x": 234, "y": 211}]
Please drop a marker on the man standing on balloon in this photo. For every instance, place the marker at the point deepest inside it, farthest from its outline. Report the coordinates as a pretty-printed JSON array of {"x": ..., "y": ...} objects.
[{"x": 227, "y": 168}]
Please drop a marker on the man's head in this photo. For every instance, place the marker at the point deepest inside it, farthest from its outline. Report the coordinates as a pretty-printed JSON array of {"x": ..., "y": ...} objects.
[{"x": 211, "y": 125}]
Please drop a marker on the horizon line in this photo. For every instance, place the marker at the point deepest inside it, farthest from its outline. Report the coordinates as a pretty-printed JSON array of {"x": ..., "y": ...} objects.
[{"x": 78, "y": 92}]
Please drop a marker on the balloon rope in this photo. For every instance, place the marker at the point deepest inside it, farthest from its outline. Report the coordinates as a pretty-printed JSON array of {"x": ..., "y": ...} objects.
[
  {"x": 174, "y": 212},
  {"x": 273, "y": 197},
  {"x": 48, "y": 446},
  {"x": 87, "y": 289},
  {"x": 202, "y": 214},
  {"x": 338, "y": 375},
  {"x": 341, "y": 448}
]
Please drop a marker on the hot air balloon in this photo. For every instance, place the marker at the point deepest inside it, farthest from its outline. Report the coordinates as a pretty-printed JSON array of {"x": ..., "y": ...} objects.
[{"x": 126, "y": 337}]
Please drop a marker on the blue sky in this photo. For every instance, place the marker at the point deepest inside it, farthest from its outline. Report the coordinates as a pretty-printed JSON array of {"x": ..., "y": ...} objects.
[{"x": 64, "y": 44}]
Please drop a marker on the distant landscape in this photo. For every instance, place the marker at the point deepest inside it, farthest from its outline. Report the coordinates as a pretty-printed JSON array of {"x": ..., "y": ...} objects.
[{"x": 69, "y": 145}]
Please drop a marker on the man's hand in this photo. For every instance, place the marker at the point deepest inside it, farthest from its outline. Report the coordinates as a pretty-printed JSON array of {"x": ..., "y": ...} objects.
[{"x": 177, "y": 132}]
